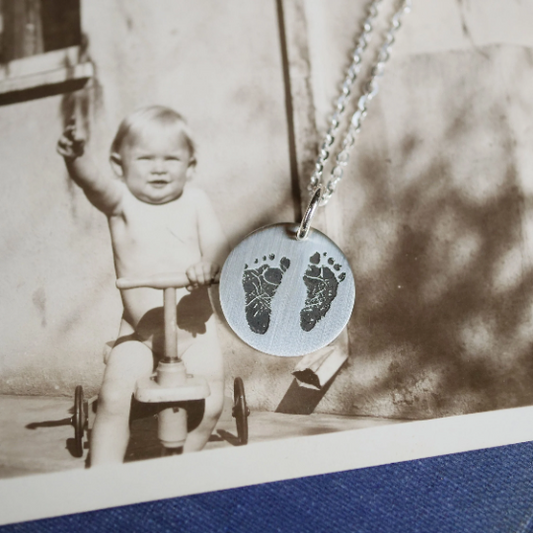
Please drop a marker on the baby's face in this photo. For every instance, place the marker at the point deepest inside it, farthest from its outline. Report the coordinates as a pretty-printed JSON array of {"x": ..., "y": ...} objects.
[{"x": 156, "y": 164}]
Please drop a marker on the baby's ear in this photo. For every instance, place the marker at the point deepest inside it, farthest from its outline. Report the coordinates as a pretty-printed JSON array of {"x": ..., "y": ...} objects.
[
  {"x": 190, "y": 169},
  {"x": 116, "y": 164}
]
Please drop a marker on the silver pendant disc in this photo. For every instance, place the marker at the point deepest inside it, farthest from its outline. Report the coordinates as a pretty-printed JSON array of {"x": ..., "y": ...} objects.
[{"x": 287, "y": 297}]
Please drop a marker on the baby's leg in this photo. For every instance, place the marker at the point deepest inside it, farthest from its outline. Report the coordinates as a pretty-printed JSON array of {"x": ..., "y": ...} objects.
[
  {"x": 127, "y": 362},
  {"x": 204, "y": 358}
]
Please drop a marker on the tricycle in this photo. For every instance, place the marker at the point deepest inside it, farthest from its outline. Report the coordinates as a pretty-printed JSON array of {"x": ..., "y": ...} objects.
[{"x": 167, "y": 391}]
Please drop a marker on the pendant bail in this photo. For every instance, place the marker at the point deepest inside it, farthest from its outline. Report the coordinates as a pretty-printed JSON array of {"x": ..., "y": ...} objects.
[{"x": 305, "y": 225}]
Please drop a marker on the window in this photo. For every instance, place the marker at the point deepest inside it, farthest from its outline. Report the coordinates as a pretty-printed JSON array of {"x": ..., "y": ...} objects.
[{"x": 40, "y": 44}]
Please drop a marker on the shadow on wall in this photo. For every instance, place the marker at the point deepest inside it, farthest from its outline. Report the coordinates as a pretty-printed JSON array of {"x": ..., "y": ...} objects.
[{"x": 444, "y": 317}]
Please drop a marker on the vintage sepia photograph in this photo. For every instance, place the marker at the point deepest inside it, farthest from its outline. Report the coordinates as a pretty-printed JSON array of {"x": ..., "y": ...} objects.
[{"x": 246, "y": 229}]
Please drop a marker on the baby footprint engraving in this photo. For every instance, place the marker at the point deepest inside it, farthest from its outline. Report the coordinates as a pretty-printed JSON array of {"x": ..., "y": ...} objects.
[
  {"x": 260, "y": 285},
  {"x": 322, "y": 283}
]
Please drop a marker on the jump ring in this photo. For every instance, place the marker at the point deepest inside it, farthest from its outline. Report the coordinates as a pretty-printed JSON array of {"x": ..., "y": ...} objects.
[{"x": 305, "y": 225}]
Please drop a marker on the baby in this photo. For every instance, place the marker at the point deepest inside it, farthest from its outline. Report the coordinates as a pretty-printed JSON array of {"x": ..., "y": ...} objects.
[{"x": 159, "y": 223}]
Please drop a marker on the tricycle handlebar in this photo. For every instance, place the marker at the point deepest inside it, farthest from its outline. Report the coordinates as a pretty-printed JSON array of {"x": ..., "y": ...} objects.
[
  {"x": 157, "y": 281},
  {"x": 171, "y": 280}
]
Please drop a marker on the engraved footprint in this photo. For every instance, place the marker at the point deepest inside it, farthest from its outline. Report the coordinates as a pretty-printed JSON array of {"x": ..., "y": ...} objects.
[
  {"x": 260, "y": 285},
  {"x": 322, "y": 283}
]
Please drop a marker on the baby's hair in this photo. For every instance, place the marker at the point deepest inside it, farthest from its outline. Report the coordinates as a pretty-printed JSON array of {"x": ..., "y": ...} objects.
[{"x": 137, "y": 120}]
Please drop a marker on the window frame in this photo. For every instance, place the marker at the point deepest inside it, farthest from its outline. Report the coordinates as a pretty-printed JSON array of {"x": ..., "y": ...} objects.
[{"x": 40, "y": 70}]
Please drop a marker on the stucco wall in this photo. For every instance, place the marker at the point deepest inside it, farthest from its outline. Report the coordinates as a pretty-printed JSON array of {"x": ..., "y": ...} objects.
[{"x": 434, "y": 212}]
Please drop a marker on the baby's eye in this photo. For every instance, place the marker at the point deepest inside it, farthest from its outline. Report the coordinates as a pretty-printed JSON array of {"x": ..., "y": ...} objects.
[
  {"x": 172, "y": 158},
  {"x": 144, "y": 158}
]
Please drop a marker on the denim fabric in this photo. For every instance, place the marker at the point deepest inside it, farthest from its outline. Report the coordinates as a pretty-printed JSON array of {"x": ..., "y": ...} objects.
[{"x": 484, "y": 491}]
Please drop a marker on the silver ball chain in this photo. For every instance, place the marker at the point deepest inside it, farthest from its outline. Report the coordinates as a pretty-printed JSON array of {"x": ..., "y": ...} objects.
[{"x": 371, "y": 89}]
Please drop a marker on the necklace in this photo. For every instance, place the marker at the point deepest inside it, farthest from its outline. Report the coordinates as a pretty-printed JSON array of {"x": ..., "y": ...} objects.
[{"x": 287, "y": 289}]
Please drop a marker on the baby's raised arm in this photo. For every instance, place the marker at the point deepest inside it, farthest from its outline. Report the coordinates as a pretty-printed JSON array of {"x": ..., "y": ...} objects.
[{"x": 104, "y": 193}]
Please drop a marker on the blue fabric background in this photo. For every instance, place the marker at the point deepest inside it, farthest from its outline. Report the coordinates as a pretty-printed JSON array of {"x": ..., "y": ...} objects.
[{"x": 484, "y": 491}]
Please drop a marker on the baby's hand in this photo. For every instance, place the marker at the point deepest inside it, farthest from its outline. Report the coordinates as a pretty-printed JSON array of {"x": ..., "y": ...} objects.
[
  {"x": 202, "y": 273},
  {"x": 70, "y": 145}
]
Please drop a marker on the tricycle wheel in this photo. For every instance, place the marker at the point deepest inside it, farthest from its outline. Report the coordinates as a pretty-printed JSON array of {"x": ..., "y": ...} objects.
[
  {"x": 240, "y": 411},
  {"x": 78, "y": 421}
]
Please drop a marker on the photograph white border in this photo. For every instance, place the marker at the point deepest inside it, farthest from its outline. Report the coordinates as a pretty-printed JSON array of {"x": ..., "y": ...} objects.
[{"x": 78, "y": 491}]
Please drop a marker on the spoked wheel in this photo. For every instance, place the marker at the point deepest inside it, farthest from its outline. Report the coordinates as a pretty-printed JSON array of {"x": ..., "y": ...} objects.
[
  {"x": 240, "y": 411},
  {"x": 78, "y": 421}
]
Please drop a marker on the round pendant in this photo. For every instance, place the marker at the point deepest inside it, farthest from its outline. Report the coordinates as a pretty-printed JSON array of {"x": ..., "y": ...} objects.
[{"x": 287, "y": 297}]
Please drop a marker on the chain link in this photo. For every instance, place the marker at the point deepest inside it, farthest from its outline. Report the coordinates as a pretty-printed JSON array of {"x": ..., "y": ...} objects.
[{"x": 370, "y": 90}]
